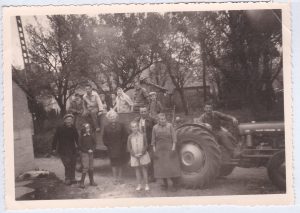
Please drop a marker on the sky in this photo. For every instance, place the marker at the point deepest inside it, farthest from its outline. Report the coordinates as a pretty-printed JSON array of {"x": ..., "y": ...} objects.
[{"x": 17, "y": 59}]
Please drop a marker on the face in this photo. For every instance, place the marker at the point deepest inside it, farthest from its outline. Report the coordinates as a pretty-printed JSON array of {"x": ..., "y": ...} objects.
[
  {"x": 68, "y": 122},
  {"x": 88, "y": 89},
  {"x": 162, "y": 120},
  {"x": 119, "y": 92},
  {"x": 143, "y": 112},
  {"x": 153, "y": 97},
  {"x": 208, "y": 109},
  {"x": 134, "y": 128},
  {"x": 113, "y": 119}
]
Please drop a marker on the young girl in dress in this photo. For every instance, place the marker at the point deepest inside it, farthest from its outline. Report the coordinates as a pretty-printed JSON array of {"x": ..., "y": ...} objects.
[
  {"x": 87, "y": 147},
  {"x": 137, "y": 146}
]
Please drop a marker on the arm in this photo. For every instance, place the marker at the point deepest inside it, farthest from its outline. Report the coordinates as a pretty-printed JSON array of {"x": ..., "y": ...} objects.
[
  {"x": 76, "y": 136},
  {"x": 80, "y": 143},
  {"x": 145, "y": 146},
  {"x": 226, "y": 117},
  {"x": 84, "y": 105},
  {"x": 153, "y": 137},
  {"x": 129, "y": 147}
]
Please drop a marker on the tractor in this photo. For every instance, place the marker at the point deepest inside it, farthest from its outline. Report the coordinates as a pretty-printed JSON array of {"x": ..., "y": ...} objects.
[{"x": 203, "y": 158}]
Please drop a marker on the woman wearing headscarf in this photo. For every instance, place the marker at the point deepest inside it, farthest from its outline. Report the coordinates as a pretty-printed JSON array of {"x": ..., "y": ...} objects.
[
  {"x": 115, "y": 139},
  {"x": 123, "y": 102}
]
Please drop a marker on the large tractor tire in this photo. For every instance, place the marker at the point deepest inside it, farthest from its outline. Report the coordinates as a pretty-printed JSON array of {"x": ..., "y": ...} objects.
[
  {"x": 226, "y": 166},
  {"x": 200, "y": 156},
  {"x": 276, "y": 170}
]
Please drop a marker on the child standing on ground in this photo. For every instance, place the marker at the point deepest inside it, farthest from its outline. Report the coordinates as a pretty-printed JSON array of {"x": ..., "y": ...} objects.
[
  {"x": 137, "y": 146},
  {"x": 87, "y": 146}
]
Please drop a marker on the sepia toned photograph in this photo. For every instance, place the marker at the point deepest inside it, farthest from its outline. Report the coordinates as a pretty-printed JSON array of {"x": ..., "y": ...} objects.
[{"x": 148, "y": 103}]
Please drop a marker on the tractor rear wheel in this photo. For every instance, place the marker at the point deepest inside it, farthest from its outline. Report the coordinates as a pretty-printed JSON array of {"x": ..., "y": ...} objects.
[
  {"x": 226, "y": 167},
  {"x": 200, "y": 156},
  {"x": 276, "y": 170}
]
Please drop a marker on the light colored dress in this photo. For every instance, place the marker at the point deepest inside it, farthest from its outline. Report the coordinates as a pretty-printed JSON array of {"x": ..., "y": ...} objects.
[
  {"x": 137, "y": 145},
  {"x": 166, "y": 162}
]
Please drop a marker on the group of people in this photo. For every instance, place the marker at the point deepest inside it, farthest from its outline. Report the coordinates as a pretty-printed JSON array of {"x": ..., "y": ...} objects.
[{"x": 151, "y": 141}]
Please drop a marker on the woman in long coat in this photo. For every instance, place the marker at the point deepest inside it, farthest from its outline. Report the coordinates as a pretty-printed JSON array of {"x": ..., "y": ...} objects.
[
  {"x": 115, "y": 138},
  {"x": 165, "y": 159}
]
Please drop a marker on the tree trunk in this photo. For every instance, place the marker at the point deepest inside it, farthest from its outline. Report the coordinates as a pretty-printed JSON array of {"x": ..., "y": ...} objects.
[{"x": 183, "y": 101}]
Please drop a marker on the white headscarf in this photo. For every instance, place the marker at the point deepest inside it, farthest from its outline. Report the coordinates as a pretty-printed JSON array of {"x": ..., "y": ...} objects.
[{"x": 111, "y": 114}]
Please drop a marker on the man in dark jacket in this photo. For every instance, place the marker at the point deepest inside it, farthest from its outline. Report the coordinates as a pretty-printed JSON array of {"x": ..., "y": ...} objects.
[
  {"x": 214, "y": 118},
  {"x": 146, "y": 124},
  {"x": 65, "y": 143}
]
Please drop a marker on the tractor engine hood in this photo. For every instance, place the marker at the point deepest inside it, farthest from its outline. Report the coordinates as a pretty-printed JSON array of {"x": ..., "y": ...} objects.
[{"x": 247, "y": 128}]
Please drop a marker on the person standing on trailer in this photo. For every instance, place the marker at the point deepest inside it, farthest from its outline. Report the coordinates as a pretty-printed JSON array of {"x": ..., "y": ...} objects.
[
  {"x": 123, "y": 102},
  {"x": 155, "y": 107},
  {"x": 76, "y": 108},
  {"x": 92, "y": 106},
  {"x": 141, "y": 96}
]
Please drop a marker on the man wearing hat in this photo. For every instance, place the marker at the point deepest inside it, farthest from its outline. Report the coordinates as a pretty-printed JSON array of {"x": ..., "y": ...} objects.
[
  {"x": 65, "y": 143},
  {"x": 155, "y": 106}
]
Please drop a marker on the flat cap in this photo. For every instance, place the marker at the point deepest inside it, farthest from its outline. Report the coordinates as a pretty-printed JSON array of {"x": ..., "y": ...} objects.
[
  {"x": 152, "y": 93},
  {"x": 68, "y": 116}
]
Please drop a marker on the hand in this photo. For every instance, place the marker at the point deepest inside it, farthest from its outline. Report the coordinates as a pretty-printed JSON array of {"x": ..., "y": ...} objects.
[
  {"x": 173, "y": 147},
  {"x": 154, "y": 149},
  {"x": 90, "y": 151},
  {"x": 235, "y": 121},
  {"x": 100, "y": 112},
  {"x": 138, "y": 155}
]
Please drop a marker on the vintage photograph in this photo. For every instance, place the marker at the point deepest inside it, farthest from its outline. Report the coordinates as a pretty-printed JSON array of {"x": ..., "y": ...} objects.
[{"x": 154, "y": 104}]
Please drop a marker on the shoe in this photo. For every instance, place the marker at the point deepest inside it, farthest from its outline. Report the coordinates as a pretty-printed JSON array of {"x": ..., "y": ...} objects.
[
  {"x": 139, "y": 187},
  {"x": 147, "y": 187}
]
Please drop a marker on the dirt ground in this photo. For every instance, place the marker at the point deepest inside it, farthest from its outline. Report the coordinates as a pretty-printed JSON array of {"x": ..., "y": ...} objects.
[{"x": 240, "y": 182}]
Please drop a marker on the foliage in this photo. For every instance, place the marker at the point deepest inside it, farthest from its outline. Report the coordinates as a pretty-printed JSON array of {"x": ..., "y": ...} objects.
[{"x": 238, "y": 52}]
